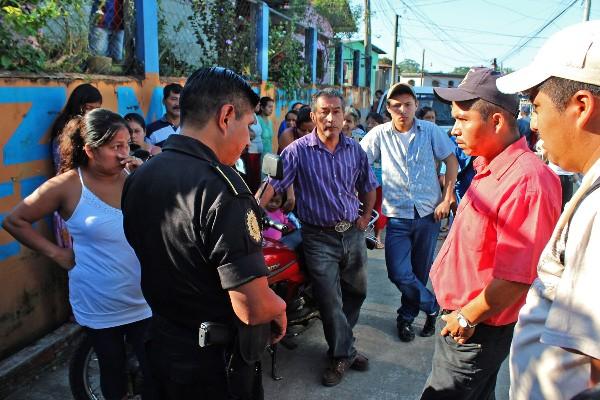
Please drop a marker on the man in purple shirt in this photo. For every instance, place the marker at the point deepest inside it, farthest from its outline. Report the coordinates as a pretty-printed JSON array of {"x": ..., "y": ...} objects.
[{"x": 327, "y": 169}]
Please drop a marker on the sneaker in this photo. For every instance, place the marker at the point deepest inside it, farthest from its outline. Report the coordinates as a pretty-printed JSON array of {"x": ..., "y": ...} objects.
[
  {"x": 405, "y": 331},
  {"x": 429, "y": 327},
  {"x": 335, "y": 371}
]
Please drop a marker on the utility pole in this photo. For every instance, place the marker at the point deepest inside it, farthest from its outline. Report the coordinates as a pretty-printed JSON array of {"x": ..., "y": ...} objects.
[
  {"x": 586, "y": 10},
  {"x": 368, "y": 43},
  {"x": 395, "y": 51},
  {"x": 423, "y": 68}
]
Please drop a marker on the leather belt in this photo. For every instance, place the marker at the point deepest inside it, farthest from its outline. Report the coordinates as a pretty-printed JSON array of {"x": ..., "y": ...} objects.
[{"x": 340, "y": 227}]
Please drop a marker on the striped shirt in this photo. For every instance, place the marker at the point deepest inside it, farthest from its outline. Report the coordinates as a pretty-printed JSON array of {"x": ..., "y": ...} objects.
[{"x": 325, "y": 183}]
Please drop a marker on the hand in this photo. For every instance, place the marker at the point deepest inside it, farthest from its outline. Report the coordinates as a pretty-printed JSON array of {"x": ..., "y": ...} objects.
[
  {"x": 278, "y": 327},
  {"x": 362, "y": 222},
  {"x": 65, "y": 258},
  {"x": 456, "y": 332},
  {"x": 130, "y": 163},
  {"x": 289, "y": 204},
  {"x": 442, "y": 210}
]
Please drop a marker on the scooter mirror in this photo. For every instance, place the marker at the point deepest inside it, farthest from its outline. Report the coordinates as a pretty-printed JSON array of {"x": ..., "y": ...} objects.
[{"x": 272, "y": 166}]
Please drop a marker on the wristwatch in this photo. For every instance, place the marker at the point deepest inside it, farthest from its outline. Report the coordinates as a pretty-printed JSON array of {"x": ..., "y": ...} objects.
[{"x": 463, "y": 322}]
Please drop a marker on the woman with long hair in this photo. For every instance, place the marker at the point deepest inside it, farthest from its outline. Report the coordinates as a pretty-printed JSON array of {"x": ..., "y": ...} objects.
[
  {"x": 104, "y": 272},
  {"x": 304, "y": 126},
  {"x": 83, "y": 99}
]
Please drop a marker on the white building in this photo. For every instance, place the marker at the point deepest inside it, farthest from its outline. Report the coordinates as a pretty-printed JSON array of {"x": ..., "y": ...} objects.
[{"x": 434, "y": 79}]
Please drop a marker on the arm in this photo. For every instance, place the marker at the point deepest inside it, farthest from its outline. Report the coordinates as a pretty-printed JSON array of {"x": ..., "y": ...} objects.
[
  {"x": 254, "y": 303},
  {"x": 285, "y": 139},
  {"x": 290, "y": 201},
  {"x": 368, "y": 201},
  {"x": 448, "y": 197},
  {"x": 43, "y": 201},
  {"x": 495, "y": 297},
  {"x": 595, "y": 372},
  {"x": 289, "y": 160},
  {"x": 524, "y": 225}
]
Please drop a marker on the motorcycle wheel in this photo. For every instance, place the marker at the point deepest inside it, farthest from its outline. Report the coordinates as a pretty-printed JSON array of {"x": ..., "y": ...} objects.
[{"x": 84, "y": 373}]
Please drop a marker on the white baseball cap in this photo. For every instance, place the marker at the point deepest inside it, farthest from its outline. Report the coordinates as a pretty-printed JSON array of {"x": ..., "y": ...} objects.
[{"x": 572, "y": 53}]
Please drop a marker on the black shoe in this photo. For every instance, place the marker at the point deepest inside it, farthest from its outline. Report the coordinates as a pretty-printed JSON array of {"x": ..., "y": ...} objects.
[
  {"x": 335, "y": 371},
  {"x": 405, "y": 331},
  {"x": 360, "y": 363},
  {"x": 429, "y": 327}
]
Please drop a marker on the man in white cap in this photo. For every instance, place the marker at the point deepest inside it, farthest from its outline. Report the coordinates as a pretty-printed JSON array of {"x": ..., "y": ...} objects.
[{"x": 555, "y": 353}]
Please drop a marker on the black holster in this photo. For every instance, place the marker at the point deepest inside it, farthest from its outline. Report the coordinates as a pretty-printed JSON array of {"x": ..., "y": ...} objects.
[{"x": 244, "y": 370}]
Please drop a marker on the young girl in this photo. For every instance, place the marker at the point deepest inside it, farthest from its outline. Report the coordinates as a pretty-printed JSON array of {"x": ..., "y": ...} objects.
[
  {"x": 292, "y": 239},
  {"x": 350, "y": 127}
]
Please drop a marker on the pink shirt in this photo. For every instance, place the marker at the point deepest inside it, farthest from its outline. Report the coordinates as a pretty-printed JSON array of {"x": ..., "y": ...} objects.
[
  {"x": 502, "y": 225},
  {"x": 277, "y": 216}
]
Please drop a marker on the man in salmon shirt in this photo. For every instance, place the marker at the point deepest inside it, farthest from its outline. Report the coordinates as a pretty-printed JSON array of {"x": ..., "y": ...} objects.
[{"x": 485, "y": 267}]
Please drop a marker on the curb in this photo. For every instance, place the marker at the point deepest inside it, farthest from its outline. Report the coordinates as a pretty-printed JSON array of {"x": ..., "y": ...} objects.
[{"x": 24, "y": 366}]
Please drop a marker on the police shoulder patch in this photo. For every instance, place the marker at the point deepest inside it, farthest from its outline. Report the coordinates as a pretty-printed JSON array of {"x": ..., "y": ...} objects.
[{"x": 252, "y": 227}]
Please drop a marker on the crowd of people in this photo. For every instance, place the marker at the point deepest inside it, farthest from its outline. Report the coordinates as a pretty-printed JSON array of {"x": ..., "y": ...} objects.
[{"x": 162, "y": 236}]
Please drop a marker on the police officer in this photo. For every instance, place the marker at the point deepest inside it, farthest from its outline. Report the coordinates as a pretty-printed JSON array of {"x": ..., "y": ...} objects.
[{"x": 193, "y": 224}]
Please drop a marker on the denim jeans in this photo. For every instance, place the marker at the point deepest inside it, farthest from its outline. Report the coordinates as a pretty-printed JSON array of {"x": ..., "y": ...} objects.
[
  {"x": 467, "y": 371},
  {"x": 106, "y": 42},
  {"x": 336, "y": 264},
  {"x": 409, "y": 250}
]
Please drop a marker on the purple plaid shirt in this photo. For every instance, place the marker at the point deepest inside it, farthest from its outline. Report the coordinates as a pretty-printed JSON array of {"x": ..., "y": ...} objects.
[{"x": 325, "y": 183}]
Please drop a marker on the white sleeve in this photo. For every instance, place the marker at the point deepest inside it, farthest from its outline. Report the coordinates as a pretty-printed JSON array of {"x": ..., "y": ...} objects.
[
  {"x": 370, "y": 144},
  {"x": 574, "y": 318}
]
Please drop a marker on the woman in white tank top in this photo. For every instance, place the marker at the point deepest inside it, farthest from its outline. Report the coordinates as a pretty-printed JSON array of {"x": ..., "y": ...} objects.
[{"x": 104, "y": 272}]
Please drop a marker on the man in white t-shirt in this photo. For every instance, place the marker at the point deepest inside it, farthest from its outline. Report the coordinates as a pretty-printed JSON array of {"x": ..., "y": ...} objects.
[{"x": 555, "y": 353}]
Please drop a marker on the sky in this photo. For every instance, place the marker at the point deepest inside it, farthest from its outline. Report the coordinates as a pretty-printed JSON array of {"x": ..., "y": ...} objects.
[{"x": 470, "y": 32}]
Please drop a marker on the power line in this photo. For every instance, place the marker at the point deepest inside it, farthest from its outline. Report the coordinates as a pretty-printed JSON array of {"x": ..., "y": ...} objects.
[{"x": 520, "y": 47}]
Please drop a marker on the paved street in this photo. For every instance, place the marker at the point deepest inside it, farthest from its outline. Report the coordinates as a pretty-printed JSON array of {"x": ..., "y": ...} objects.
[{"x": 398, "y": 370}]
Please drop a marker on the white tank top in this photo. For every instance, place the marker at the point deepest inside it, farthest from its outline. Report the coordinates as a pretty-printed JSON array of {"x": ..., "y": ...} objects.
[{"x": 104, "y": 285}]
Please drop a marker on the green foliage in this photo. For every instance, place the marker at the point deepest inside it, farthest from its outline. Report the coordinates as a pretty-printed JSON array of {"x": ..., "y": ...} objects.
[
  {"x": 286, "y": 62},
  {"x": 408, "y": 65},
  {"x": 24, "y": 43},
  {"x": 343, "y": 17},
  {"x": 224, "y": 33},
  {"x": 461, "y": 70}
]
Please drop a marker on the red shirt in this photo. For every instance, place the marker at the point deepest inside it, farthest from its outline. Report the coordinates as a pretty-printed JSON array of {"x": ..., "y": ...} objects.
[{"x": 502, "y": 225}]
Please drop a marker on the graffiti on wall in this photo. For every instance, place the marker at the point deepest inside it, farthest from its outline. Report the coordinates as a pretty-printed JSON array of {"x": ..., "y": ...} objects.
[{"x": 28, "y": 142}]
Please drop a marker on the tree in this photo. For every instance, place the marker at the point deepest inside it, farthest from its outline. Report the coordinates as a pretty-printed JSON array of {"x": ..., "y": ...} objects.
[
  {"x": 385, "y": 60},
  {"x": 461, "y": 70},
  {"x": 408, "y": 65}
]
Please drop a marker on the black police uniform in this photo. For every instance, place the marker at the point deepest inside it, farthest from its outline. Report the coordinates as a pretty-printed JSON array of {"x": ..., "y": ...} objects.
[{"x": 193, "y": 224}]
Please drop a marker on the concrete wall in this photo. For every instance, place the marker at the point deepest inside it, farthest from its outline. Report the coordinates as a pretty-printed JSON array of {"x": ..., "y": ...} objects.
[{"x": 33, "y": 291}]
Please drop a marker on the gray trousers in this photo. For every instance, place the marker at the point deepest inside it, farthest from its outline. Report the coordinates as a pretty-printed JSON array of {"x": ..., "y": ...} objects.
[
  {"x": 336, "y": 265},
  {"x": 468, "y": 371}
]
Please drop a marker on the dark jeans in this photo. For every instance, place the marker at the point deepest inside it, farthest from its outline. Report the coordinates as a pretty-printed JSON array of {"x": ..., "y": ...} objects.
[
  {"x": 409, "y": 250},
  {"x": 336, "y": 265},
  {"x": 109, "y": 345},
  {"x": 468, "y": 371}
]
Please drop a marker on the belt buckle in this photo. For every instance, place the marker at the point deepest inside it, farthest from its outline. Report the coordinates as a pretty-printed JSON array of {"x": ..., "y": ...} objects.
[{"x": 342, "y": 226}]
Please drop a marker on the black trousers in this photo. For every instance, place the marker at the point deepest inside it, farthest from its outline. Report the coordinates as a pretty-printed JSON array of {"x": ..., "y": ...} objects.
[
  {"x": 109, "y": 345},
  {"x": 181, "y": 369},
  {"x": 468, "y": 371}
]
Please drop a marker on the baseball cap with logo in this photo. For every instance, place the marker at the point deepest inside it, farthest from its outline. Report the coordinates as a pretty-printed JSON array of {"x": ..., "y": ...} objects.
[
  {"x": 480, "y": 83},
  {"x": 572, "y": 53}
]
